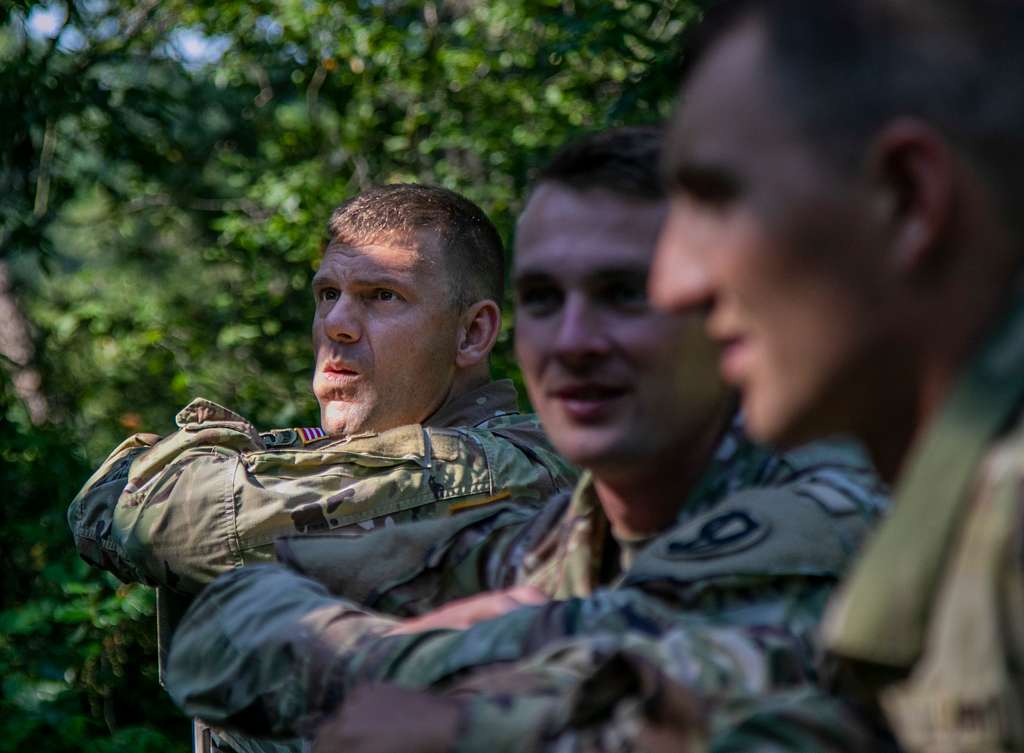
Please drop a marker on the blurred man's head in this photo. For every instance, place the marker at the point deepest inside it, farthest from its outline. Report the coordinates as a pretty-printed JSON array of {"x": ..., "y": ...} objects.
[
  {"x": 844, "y": 180},
  {"x": 407, "y": 306},
  {"x": 613, "y": 381}
]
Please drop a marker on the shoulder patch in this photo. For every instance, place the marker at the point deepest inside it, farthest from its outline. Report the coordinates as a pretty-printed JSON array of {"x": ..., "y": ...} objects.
[
  {"x": 723, "y": 534},
  {"x": 310, "y": 435}
]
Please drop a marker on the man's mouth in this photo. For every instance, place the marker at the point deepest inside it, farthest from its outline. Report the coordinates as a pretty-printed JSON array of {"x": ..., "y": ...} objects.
[
  {"x": 338, "y": 372},
  {"x": 588, "y": 402},
  {"x": 734, "y": 360}
]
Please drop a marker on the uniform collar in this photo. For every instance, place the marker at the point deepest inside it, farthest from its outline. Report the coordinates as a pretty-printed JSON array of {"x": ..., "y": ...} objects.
[{"x": 477, "y": 406}]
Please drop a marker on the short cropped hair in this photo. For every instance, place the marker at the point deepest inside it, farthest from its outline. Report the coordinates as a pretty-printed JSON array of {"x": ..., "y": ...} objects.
[
  {"x": 623, "y": 161},
  {"x": 847, "y": 67},
  {"x": 471, "y": 248}
]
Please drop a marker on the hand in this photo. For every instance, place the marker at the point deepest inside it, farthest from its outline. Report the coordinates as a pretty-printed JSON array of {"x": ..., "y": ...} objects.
[{"x": 462, "y": 613}]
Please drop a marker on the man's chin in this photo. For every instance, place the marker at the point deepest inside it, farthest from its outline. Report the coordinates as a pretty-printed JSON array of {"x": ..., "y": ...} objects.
[
  {"x": 593, "y": 450},
  {"x": 773, "y": 424},
  {"x": 345, "y": 421}
]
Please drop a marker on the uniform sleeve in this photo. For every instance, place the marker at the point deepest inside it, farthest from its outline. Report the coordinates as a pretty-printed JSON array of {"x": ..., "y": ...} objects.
[
  {"x": 629, "y": 703},
  {"x": 803, "y": 719},
  {"x": 160, "y": 511},
  {"x": 604, "y": 696},
  {"x": 91, "y": 514},
  {"x": 255, "y": 651},
  {"x": 620, "y": 703},
  {"x": 425, "y": 659}
]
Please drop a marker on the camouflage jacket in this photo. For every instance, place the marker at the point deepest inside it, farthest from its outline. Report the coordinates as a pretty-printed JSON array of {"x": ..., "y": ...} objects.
[
  {"x": 931, "y": 623},
  {"x": 213, "y": 496},
  {"x": 760, "y": 543}
]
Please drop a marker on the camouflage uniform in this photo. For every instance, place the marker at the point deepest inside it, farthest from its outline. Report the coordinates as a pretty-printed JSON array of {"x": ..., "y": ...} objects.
[
  {"x": 759, "y": 543},
  {"x": 176, "y": 512}
]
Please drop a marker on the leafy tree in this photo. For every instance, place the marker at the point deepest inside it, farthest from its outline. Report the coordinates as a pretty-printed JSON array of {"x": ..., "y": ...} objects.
[{"x": 167, "y": 169}]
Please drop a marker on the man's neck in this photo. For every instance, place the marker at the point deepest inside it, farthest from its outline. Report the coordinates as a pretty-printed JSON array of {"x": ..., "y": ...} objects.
[
  {"x": 469, "y": 401},
  {"x": 940, "y": 337},
  {"x": 646, "y": 499},
  {"x": 931, "y": 363}
]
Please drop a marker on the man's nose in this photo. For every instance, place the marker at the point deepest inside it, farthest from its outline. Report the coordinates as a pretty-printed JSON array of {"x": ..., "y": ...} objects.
[
  {"x": 343, "y": 322},
  {"x": 580, "y": 333},
  {"x": 680, "y": 278}
]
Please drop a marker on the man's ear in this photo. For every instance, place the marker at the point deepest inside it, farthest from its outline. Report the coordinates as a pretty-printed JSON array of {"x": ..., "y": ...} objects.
[
  {"x": 478, "y": 331},
  {"x": 914, "y": 172}
]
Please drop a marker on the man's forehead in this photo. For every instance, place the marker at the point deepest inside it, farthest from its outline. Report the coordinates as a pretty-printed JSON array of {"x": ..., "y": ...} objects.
[
  {"x": 723, "y": 90},
  {"x": 562, "y": 227},
  {"x": 397, "y": 253}
]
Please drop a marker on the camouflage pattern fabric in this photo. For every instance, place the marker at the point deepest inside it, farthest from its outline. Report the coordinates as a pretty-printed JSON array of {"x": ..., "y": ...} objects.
[
  {"x": 932, "y": 622},
  {"x": 621, "y": 703},
  {"x": 214, "y": 495},
  {"x": 764, "y": 703},
  {"x": 604, "y": 695},
  {"x": 759, "y": 545}
]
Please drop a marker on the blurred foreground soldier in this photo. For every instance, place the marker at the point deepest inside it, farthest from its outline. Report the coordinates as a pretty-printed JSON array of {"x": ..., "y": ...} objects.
[
  {"x": 856, "y": 171},
  {"x": 681, "y": 521},
  {"x": 412, "y": 427}
]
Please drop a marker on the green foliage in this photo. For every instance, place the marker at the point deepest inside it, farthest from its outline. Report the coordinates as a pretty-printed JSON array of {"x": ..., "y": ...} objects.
[
  {"x": 76, "y": 647},
  {"x": 167, "y": 169}
]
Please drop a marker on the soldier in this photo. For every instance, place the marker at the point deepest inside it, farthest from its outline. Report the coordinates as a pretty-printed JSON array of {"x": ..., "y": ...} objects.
[
  {"x": 680, "y": 522},
  {"x": 855, "y": 170},
  {"x": 407, "y": 312}
]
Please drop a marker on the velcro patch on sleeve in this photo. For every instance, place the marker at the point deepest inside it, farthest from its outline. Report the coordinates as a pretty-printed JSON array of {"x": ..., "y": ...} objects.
[{"x": 403, "y": 442}]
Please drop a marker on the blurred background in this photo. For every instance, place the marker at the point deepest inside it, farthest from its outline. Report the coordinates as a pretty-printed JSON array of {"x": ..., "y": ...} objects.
[{"x": 167, "y": 172}]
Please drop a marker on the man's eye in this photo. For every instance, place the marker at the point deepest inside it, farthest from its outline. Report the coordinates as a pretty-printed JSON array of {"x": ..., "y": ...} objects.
[
  {"x": 383, "y": 294},
  {"x": 627, "y": 295},
  {"x": 327, "y": 294},
  {"x": 539, "y": 300},
  {"x": 710, "y": 189}
]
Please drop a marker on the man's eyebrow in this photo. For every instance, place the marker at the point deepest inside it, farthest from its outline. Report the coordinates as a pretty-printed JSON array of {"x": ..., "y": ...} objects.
[
  {"x": 619, "y": 272},
  {"x": 609, "y": 273},
  {"x": 530, "y": 277},
  {"x": 383, "y": 280},
  {"x": 704, "y": 181}
]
